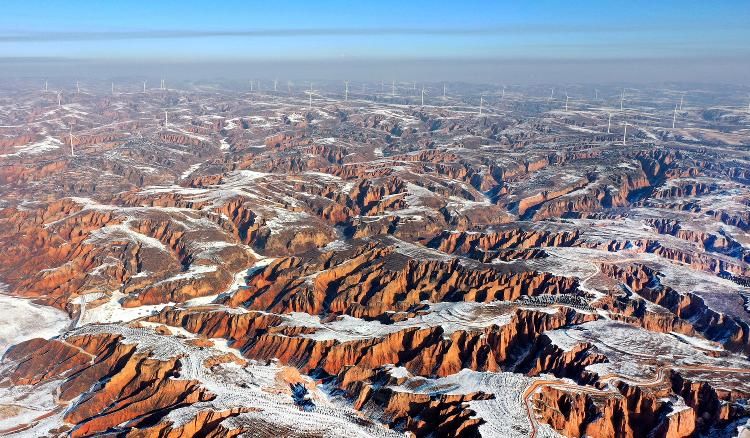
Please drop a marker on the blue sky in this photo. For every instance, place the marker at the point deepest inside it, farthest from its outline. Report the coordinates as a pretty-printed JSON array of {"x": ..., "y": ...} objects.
[{"x": 278, "y": 30}]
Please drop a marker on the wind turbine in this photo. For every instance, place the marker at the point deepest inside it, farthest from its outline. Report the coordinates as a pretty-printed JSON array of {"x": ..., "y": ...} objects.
[
  {"x": 422, "y": 95},
  {"x": 311, "y": 93},
  {"x": 596, "y": 94},
  {"x": 443, "y": 90},
  {"x": 622, "y": 99},
  {"x": 674, "y": 116},
  {"x": 381, "y": 86},
  {"x": 71, "y": 137},
  {"x": 78, "y": 88},
  {"x": 346, "y": 91},
  {"x": 681, "y": 98},
  {"x": 503, "y": 96},
  {"x": 259, "y": 85},
  {"x": 289, "y": 87},
  {"x": 609, "y": 122},
  {"x": 275, "y": 82},
  {"x": 566, "y": 101},
  {"x": 45, "y": 85},
  {"x": 59, "y": 98},
  {"x": 552, "y": 95},
  {"x": 481, "y": 101},
  {"x": 166, "y": 120},
  {"x": 144, "y": 86},
  {"x": 625, "y": 133},
  {"x": 251, "y": 85},
  {"x": 113, "y": 88}
]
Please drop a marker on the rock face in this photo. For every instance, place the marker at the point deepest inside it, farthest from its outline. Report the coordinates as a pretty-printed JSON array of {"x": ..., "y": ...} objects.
[
  {"x": 379, "y": 277},
  {"x": 371, "y": 268}
]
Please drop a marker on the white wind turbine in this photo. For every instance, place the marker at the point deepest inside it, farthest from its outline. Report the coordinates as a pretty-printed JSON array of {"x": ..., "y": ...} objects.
[
  {"x": 622, "y": 99},
  {"x": 552, "y": 94},
  {"x": 59, "y": 98},
  {"x": 144, "y": 86},
  {"x": 423, "y": 95},
  {"x": 481, "y": 101},
  {"x": 566, "y": 101},
  {"x": 346, "y": 91},
  {"x": 113, "y": 88},
  {"x": 503, "y": 96},
  {"x": 45, "y": 85},
  {"x": 166, "y": 120},
  {"x": 251, "y": 84},
  {"x": 78, "y": 88},
  {"x": 625, "y": 133},
  {"x": 609, "y": 122},
  {"x": 674, "y": 116},
  {"x": 443, "y": 90},
  {"x": 71, "y": 137},
  {"x": 275, "y": 83},
  {"x": 596, "y": 94},
  {"x": 309, "y": 105},
  {"x": 681, "y": 99}
]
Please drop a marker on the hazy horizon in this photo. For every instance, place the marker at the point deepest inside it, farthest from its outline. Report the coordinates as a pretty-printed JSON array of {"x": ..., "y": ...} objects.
[{"x": 539, "y": 42}]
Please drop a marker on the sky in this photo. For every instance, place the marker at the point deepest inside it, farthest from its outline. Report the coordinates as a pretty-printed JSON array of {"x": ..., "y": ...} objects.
[{"x": 539, "y": 40}]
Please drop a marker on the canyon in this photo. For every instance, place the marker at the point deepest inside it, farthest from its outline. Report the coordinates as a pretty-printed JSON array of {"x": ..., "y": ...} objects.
[{"x": 265, "y": 266}]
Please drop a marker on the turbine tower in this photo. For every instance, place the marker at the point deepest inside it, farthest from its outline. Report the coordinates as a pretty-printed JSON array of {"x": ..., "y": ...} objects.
[
  {"x": 674, "y": 116},
  {"x": 45, "y": 85},
  {"x": 113, "y": 88},
  {"x": 552, "y": 95},
  {"x": 481, "y": 101},
  {"x": 166, "y": 120},
  {"x": 275, "y": 83},
  {"x": 503, "y": 96},
  {"x": 78, "y": 88},
  {"x": 346, "y": 91},
  {"x": 422, "y": 95},
  {"x": 59, "y": 98},
  {"x": 144, "y": 86},
  {"x": 622, "y": 99},
  {"x": 566, "y": 101},
  {"x": 443, "y": 90},
  {"x": 71, "y": 137},
  {"x": 309, "y": 106},
  {"x": 596, "y": 94},
  {"x": 625, "y": 133},
  {"x": 681, "y": 99},
  {"x": 609, "y": 122}
]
